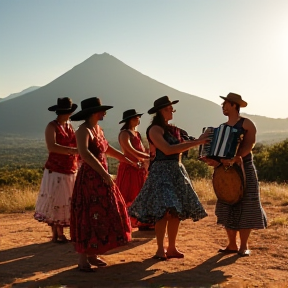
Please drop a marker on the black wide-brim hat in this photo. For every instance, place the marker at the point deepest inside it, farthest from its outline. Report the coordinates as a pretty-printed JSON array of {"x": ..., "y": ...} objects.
[
  {"x": 161, "y": 103},
  {"x": 89, "y": 106},
  {"x": 64, "y": 105},
  {"x": 128, "y": 114}
]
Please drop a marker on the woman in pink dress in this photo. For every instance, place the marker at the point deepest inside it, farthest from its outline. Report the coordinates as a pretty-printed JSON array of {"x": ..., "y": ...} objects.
[
  {"x": 99, "y": 219},
  {"x": 54, "y": 199},
  {"x": 130, "y": 179}
]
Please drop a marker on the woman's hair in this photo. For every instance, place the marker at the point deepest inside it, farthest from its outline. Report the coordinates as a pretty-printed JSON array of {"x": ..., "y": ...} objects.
[
  {"x": 159, "y": 120},
  {"x": 126, "y": 125}
]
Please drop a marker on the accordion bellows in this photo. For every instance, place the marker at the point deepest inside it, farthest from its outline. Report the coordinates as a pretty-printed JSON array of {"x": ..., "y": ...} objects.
[{"x": 224, "y": 142}]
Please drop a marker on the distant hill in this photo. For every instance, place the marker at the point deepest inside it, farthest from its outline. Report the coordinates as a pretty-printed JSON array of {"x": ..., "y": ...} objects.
[
  {"x": 270, "y": 130},
  {"x": 116, "y": 84},
  {"x": 30, "y": 89}
]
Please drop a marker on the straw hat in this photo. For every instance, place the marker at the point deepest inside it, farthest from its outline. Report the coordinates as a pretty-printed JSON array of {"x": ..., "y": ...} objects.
[{"x": 235, "y": 98}]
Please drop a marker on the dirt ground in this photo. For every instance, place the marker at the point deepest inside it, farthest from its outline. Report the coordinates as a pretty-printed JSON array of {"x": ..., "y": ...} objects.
[{"x": 28, "y": 258}]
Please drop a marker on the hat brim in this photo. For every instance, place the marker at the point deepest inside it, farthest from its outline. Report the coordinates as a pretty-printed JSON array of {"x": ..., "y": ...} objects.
[
  {"x": 241, "y": 103},
  {"x": 155, "y": 109},
  {"x": 70, "y": 110},
  {"x": 127, "y": 118},
  {"x": 83, "y": 114}
]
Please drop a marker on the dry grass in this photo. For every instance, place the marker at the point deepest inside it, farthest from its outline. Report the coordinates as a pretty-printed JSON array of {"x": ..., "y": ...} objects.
[
  {"x": 19, "y": 199},
  {"x": 15, "y": 199},
  {"x": 274, "y": 193}
]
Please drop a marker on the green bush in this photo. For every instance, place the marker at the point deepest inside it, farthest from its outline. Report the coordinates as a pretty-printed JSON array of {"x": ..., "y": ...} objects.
[
  {"x": 21, "y": 162},
  {"x": 272, "y": 163},
  {"x": 20, "y": 176},
  {"x": 196, "y": 169}
]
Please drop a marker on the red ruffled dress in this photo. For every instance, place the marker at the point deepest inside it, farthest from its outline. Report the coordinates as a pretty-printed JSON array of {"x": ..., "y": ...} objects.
[
  {"x": 99, "y": 219},
  {"x": 130, "y": 179}
]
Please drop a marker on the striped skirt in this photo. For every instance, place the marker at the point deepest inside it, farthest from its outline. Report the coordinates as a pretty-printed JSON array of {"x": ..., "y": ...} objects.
[{"x": 248, "y": 213}]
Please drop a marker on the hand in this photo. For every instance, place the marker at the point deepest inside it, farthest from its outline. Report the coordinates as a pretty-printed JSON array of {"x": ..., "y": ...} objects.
[
  {"x": 203, "y": 138},
  {"x": 230, "y": 162},
  {"x": 128, "y": 161},
  {"x": 143, "y": 163},
  {"x": 227, "y": 162},
  {"x": 108, "y": 180},
  {"x": 210, "y": 162}
]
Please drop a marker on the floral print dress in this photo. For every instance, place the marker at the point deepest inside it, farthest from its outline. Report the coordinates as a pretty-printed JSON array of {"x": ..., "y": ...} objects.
[
  {"x": 99, "y": 219},
  {"x": 167, "y": 189}
]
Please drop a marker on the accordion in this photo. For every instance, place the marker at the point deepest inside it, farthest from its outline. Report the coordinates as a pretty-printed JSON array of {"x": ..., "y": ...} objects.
[{"x": 224, "y": 142}]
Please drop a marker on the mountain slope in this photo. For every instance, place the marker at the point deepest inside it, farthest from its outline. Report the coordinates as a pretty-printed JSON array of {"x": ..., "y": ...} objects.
[
  {"x": 27, "y": 90},
  {"x": 116, "y": 84}
]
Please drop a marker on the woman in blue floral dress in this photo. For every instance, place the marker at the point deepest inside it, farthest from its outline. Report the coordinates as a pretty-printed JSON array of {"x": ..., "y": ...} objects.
[{"x": 167, "y": 195}]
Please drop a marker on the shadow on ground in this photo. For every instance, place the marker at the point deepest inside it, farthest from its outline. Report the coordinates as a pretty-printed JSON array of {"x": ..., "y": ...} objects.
[{"x": 20, "y": 262}]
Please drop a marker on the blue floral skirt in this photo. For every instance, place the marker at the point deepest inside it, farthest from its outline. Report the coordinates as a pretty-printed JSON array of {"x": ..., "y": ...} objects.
[{"x": 167, "y": 189}]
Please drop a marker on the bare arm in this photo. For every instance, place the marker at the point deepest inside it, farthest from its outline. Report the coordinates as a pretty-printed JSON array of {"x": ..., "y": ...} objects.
[
  {"x": 52, "y": 146},
  {"x": 113, "y": 152},
  {"x": 124, "y": 140},
  {"x": 156, "y": 135},
  {"x": 249, "y": 139},
  {"x": 247, "y": 143},
  {"x": 82, "y": 136}
]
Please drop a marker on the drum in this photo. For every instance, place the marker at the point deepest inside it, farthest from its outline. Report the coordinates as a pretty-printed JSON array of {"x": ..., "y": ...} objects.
[{"x": 229, "y": 183}]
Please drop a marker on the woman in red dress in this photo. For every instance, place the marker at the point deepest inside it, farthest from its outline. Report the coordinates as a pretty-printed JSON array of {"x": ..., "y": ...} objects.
[
  {"x": 54, "y": 199},
  {"x": 130, "y": 179},
  {"x": 99, "y": 219}
]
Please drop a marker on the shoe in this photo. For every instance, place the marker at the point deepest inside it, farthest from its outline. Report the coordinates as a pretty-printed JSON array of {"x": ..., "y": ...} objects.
[
  {"x": 245, "y": 253},
  {"x": 62, "y": 239},
  {"x": 175, "y": 256},
  {"x": 86, "y": 269},
  {"x": 96, "y": 261},
  {"x": 160, "y": 258},
  {"x": 227, "y": 251}
]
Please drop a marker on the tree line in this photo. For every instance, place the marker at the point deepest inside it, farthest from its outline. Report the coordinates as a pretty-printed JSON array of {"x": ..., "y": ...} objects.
[{"x": 22, "y": 163}]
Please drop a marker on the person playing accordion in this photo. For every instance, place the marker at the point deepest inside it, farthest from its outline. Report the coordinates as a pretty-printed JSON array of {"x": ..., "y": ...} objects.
[{"x": 247, "y": 214}]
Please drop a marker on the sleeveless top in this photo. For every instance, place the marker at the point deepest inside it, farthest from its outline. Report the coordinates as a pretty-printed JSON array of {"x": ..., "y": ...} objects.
[
  {"x": 136, "y": 142},
  {"x": 98, "y": 146},
  {"x": 172, "y": 136},
  {"x": 239, "y": 126},
  {"x": 62, "y": 163}
]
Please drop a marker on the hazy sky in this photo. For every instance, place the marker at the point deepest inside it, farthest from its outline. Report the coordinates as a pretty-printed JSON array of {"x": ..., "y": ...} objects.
[{"x": 206, "y": 48}]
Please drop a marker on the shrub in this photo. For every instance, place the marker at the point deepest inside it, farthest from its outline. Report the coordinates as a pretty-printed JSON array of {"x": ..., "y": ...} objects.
[
  {"x": 196, "y": 169},
  {"x": 272, "y": 162}
]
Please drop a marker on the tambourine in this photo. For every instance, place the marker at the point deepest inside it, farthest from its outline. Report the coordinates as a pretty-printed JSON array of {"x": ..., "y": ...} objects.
[{"x": 229, "y": 183}]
